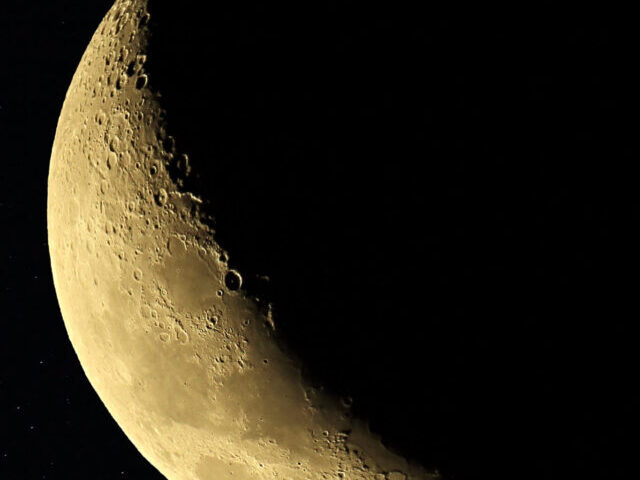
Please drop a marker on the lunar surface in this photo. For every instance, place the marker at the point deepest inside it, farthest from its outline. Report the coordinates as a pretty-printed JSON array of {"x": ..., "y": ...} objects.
[{"x": 184, "y": 361}]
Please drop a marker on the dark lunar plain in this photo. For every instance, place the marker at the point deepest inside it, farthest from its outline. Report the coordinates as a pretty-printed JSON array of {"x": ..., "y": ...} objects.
[{"x": 443, "y": 198}]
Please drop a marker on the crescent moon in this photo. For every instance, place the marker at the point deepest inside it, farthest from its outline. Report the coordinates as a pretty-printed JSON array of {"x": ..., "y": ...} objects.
[{"x": 184, "y": 362}]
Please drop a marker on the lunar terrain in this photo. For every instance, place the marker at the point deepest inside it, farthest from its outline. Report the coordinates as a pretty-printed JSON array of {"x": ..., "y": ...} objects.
[{"x": 185, "y": 359}]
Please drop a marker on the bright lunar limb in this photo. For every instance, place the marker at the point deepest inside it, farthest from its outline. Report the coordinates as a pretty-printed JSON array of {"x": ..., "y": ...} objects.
[{"x": 182, "y": 359}]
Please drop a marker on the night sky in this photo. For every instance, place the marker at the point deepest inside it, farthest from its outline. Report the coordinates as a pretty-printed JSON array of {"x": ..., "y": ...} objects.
[
  {"x": 532, "y": 133},
  {"x": 52, "y": 424}
]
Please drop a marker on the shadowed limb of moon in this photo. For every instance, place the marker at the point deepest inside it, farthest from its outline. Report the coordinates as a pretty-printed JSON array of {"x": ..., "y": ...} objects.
[{"x": 185, "y": 362}]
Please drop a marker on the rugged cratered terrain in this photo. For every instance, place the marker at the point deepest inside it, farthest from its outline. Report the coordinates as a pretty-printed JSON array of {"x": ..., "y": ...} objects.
[{"x": 184, "y": 360}]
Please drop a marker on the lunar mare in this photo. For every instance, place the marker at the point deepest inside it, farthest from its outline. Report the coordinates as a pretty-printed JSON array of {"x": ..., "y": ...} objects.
[{"x": 185, "y": 363}]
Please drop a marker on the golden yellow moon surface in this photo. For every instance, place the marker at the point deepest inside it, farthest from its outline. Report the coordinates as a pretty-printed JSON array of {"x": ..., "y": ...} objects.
[{"x": 187, "y": 367}]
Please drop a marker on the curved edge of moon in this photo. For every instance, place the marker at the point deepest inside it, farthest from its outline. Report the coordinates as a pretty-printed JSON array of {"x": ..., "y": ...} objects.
[{"x": 187, "y": 367}]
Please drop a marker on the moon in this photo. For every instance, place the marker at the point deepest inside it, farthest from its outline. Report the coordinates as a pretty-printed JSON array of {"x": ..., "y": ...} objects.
[{"x": 184, "y": 361}]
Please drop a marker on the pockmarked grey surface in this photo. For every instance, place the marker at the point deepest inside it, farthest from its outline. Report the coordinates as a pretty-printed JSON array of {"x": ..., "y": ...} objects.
[{"x": 183, "y": 360}]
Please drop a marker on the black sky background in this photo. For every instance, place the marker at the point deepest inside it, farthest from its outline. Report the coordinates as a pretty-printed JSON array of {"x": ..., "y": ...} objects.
[{"x": 534, "y": 122}]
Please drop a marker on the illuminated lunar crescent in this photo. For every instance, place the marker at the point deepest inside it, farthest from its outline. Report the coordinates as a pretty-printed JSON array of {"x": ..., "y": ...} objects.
[{"x": 188, "y": 367}]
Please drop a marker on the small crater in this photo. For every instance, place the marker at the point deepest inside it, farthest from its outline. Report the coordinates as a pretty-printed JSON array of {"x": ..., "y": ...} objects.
[
  {"x": 347, "y": 401},
  {"x": 165, "y": 337},
  {"x": 181, "y": 335},
  {"x": 114, "y": 144},
  {"x": 112, "y": 160},
  {"x": 121, "y": 82},
  {"x": 162, "y": 197},
  {"x": 124, "y": 52},
  {"x": 137, "y": 274},
  {"x": 144, "y": 20},
  {"x": 141, "y": 82},
  {"x": 132, "y": 68},
  {"x": 233, "y": 280},
  {"x": 183, "y": 164}
]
